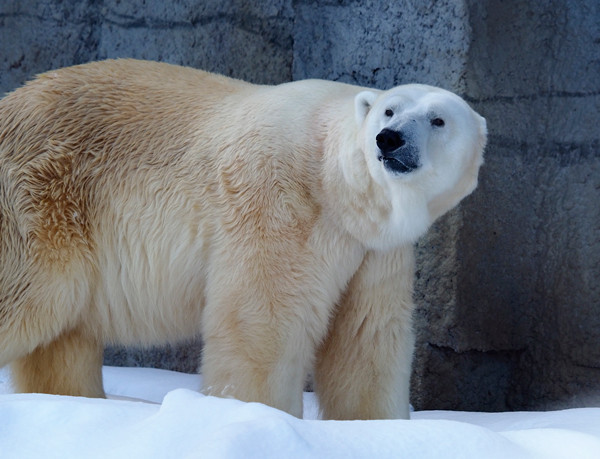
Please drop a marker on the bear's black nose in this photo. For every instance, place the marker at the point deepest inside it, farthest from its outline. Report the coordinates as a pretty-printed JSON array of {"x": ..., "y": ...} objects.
[{"x": 388, "y": 140}]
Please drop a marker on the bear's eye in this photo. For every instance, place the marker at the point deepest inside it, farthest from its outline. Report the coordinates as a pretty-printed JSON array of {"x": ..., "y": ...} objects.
[
  {"x": 389, "y": 113},
  {"x": 437, "y": 122}
]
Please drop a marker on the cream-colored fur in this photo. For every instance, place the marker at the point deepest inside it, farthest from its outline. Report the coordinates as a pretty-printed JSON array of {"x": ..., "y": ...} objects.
[{"x": 145, "y": 203}]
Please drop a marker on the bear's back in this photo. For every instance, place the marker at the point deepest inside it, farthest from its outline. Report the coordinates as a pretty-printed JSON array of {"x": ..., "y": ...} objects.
[
  {"x": 77, "y": 142},
  {"x": 98, "y": 104}
]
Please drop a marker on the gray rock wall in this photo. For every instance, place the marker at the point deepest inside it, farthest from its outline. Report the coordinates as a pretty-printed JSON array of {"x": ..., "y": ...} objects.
[{"x": 507, "y": 284}]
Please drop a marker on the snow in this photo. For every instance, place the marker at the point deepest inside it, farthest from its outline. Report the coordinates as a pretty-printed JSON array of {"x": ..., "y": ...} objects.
[{"x": 157, "y": 413}]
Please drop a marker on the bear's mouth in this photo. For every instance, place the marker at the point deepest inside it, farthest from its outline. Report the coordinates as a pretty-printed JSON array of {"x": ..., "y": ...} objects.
[{"x": 395, "y": 165}]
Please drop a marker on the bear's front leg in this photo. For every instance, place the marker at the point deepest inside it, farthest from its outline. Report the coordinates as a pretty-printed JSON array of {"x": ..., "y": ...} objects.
[
  {"x": 256, "y": 349},
  {"x": 363, "y": 367}
]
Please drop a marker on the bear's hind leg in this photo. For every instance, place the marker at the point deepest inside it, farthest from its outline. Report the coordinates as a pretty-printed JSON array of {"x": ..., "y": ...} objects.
[{"x": 69, "y": 365}]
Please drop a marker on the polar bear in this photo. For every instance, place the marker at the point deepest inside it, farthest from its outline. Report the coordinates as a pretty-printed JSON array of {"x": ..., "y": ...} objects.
[{"x": 145, "y": 203}]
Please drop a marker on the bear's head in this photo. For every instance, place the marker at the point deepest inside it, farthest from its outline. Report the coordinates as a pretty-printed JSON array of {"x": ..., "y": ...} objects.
[{"x": 421, "y": 144}]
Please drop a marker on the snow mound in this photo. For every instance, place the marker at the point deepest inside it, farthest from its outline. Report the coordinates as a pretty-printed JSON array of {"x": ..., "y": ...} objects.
[{"x": 158, "y": 413}]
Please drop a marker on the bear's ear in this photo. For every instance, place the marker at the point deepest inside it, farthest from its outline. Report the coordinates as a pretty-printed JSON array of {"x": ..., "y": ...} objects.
[
  {"x": 482, "y": 125},
  {"x": 362, "y": 104}
]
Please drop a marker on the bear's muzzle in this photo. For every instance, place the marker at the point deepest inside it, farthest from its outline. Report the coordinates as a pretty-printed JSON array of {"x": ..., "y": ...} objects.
[{"x": 397, "y": 154}]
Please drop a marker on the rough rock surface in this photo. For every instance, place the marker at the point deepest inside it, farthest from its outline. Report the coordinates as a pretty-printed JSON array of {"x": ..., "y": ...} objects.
[{"x": 507, "y": 287}]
